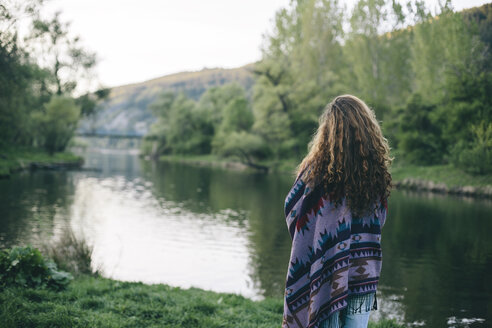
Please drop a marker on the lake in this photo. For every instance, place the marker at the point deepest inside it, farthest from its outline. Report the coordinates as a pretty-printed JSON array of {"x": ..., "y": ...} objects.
[{"x": 224, "y": 230}]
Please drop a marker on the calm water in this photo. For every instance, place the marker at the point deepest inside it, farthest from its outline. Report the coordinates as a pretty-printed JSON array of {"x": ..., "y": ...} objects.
[{"x": 225, "y": 231}]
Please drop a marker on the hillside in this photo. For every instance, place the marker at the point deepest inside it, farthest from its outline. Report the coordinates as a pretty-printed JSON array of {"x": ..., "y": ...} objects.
[{"x": 126, "y": 110}]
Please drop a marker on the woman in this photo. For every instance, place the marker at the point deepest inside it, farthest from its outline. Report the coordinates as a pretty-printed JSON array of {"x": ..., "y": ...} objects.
[{"x": 334, "y": 213}]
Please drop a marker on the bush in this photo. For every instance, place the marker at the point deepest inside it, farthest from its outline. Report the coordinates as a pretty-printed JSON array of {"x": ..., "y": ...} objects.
[
  {"x": 26, "y": 267},
  {"x": 57, "y": 123},
  {"x": 247, "y": 146},
  {"x": 420, "y": 136},
  {"x": 476, "y": 156}
]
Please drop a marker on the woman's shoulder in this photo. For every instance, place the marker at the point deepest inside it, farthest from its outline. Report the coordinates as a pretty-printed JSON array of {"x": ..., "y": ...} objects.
[{"x": 304, "y": 176}]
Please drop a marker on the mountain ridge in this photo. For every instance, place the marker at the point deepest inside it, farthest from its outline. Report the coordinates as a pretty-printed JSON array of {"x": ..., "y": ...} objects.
[
  {"x": 180, "y": 73},
  {"x": 126, "y": 111}
]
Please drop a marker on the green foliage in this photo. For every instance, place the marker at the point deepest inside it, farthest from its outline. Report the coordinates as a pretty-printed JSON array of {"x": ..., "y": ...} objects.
[
  {"x": 301, "y": 69},
  {"x": 419, "y": 136},
  {"x": 17, "y": 99},
  {"x": 441, "y": 67},
  {"x": 237, "y": 116},
  {"x": 215, "y": 99},
  {"x": 131, "y": 102},
  {"x": 188, "y": 127},
  {"x": 62, "y": 53},
  {"x": 271, "y": 105},
  {"x": 475, "y": 156},
  {"x": 49, "y": 61},
  {"x": 438, "y": 64},
  {"x": 234, "y": 123},
  {"x": 247, "y": 146},
  {"x": 447, "y": 174},
  {"x": 26, "y": 267},
  {"x": 385, "y": 324},
  {"x": 14, "y": 158},
  {"x": 182, "y": 126},
  {"x": 56, "y": 125},
  {"x": 377, "y": 58},
  {"x": 88, "y": 102}
]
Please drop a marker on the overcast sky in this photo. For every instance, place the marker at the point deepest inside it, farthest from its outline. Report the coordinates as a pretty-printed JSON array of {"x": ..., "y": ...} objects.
[{"x": 137, "y": 40}]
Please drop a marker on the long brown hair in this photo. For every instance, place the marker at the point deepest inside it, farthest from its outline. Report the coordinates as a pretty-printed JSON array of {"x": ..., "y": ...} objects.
[{"x": 348, "y": 156}]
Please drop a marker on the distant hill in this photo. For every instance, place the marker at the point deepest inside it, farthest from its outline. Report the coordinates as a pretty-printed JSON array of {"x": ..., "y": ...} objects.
[{"x": 126, "y": 110}]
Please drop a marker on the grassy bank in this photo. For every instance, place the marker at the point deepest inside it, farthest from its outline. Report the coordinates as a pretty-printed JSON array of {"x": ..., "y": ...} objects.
[
  {"x": 438, "y": 178},
  {"x": 202, "y": 160},
  {"x": 446, "y": 174},
  {"x": 99, "y": 302},
  {"x": 285, "y": 166},
  {"x": 442, "y": 179},
  {"x": 16, "y": 159}
]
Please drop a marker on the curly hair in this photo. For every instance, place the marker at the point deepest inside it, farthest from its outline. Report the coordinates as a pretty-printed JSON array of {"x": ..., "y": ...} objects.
[{"x": 349, "y": 156}]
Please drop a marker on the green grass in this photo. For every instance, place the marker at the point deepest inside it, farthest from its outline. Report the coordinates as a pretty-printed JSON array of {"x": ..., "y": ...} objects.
[
  {"x": 100, "y": 302},
  {"x": 286, "y": 166},
  {"x": 208, "y": 158},
  {"x": 448, "y": 174},
  {"x": 13, "y": 159}
]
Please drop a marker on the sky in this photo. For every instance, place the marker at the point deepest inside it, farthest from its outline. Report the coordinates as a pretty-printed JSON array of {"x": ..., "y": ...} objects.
[{"x": 137, "y": 40}]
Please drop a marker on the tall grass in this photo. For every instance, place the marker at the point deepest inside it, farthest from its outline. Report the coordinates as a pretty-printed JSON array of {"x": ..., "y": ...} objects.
[{"x": 71, "y": 253}]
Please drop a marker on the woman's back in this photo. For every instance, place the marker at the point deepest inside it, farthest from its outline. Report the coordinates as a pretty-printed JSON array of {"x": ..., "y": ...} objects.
[{"x": 335, "y": 212}]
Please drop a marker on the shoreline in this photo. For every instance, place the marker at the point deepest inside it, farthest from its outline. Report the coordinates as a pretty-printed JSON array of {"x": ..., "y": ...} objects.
[
  {"x": 286, "y": 166},
  {"x": 439, "y": 179},
  {"x": 441, "y": 188},
  {"x": 31, "y": 159}
]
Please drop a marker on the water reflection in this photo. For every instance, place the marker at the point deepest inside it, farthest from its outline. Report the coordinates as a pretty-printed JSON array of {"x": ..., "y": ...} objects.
[
  {"x": 29, "y": 203},
  {"x": 225, "y": 231},
  {"x": 258, "y": 197},
  {"x": 438, "y": 256},
  {"x": 140, "y": 237}
]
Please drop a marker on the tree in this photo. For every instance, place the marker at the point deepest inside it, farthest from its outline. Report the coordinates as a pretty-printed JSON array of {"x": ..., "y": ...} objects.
[
  {"x": 14, "y": 82},
  {"x": 438, "y": 65},
  {"x": 52, "y": 63},
  {"x": 300, "y": 71},
  {"x": 11, "y": 11},
  {"x": 88, "y": 102},
  {"x": 237, "y": 117},
  {"x": 272, "y": 121},
  {"x": 181, "y": 128},
  {"x": 215, "y": 99},
  {"x": 475, "y": 156},
  {"x": 420, "y": 135},
  {"x": 60, "y": 53},
  {"x": 20, "y": 87},
  {"x": 247, "y": 146},
  {"x": 378, "y": 54},
  {"x": 56, "y": 124}
]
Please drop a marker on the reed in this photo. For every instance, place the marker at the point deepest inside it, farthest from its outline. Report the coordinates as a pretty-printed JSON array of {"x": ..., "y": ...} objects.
[{"x": 71, "y": 253}]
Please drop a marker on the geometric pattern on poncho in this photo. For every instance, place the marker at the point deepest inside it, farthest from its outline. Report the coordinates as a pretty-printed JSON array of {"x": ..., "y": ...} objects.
[{"x": 334, "y": 255}]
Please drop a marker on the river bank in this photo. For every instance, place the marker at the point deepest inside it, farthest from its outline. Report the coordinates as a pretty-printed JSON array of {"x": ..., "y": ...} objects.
[
  {"x": 445, "y": 179},
  {"x": 283, "y": 166},
  {"x": 99, "y": 302},
  {"x": 28, "y": 158}
]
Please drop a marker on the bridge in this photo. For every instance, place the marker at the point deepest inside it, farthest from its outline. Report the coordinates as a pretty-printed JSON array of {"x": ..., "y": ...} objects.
[{"x": 108, "y": 135}]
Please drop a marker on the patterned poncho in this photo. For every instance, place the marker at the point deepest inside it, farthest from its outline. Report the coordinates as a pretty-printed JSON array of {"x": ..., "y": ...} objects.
[{"x": 334, "y": 255}]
